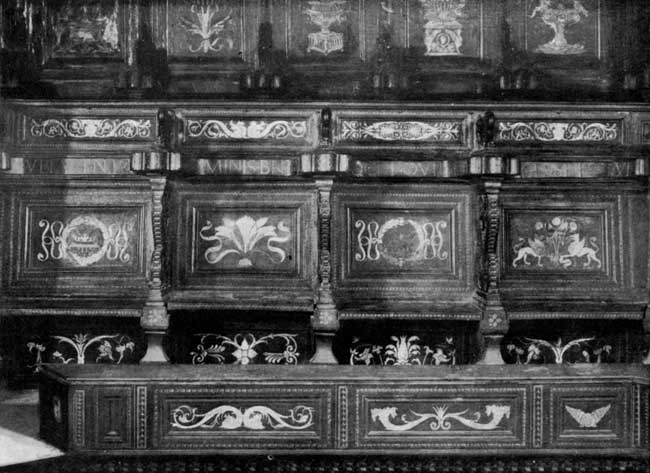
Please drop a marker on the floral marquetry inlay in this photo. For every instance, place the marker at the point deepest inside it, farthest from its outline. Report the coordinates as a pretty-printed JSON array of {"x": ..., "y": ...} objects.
[
  {"x": 246, "y": 130},
  {"x": 440, "y": 418},
  {"x": 82, "y": 348},
  {"x": 243, "y": 239},
  {"x": 401, "y": 240},
  {"x": 556, "y": 243},
  {"x": 243, "y": 349},
  {"x": 442, "y": 131},
  {"x": 559, "y": 131},
  {"x": 208, "y": 26},
  {"x": 86, "y": 128},
  {"x": 232, "y": 418},
  {"x": 403, "y": 350}
]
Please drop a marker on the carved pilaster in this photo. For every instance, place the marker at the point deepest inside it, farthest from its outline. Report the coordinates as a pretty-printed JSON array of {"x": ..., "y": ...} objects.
[
  {"x": 646, "y": 317},
  {"x": 325, "y": 320},
  {"x": 155, "y": 318},
  {"x": 494, "y": 322}
]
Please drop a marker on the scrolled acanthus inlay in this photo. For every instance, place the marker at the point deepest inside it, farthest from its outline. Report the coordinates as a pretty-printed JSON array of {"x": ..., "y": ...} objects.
[
  {"x": 85, "y": 128},
  {"x": 439, "y": 419},
  {"x": 252, "y": 418},
  {"x": 246, "y": 130},
  {"x": 401, "y": 131},
  {"x": 558, "y": 131}
]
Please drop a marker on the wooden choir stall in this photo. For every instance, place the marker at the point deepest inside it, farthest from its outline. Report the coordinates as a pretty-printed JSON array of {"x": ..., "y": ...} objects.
[{"x": 335, "y": 235}]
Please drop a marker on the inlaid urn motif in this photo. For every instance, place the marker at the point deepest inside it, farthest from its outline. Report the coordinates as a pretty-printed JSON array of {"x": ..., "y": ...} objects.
[
  {"x": 325, "y": 14},
  {"x": 443, "y": 31}
]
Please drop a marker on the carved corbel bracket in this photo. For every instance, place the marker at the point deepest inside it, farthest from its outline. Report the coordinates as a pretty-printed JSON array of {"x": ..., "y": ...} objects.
[
  {"x": 494, "y": 322},
  {"x": 171, "y": 129},
  {"x": 324, "y": 321},
  {"x": 486, "y": 129},
  {"x": 5, "y": 160},
  {"x": 324, "y": 163},
  {"x": 155, "y": 161},
  {"x": 166, "y": 157}
]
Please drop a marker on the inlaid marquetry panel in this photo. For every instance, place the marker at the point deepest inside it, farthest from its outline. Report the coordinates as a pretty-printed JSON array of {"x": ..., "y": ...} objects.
[
  {"x": 567, "y": 244},
  {"x": 430, "y": 417},
  {"x": 554, "y": 131},
  {"x": 76, "y": 238},
  {"x": 230, "y": 129},
  {"x": 387, "y": 129},
  {"x": 295, "y": 417},
  {"x": 590, "y": 415},
  {"x": 572, "y": 30},
  {"x": 114, "y": 411},
  {"x": 397, "y": 243},
  {"x": 248, "y": 244}
]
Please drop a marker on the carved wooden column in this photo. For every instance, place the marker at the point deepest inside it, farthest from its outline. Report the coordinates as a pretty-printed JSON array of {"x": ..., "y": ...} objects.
[
  {"x": 155, "y": 164},
  {"x": 494, "y": 322},
  {"x": 325, "y": 320},
  {"x": 155, "y": 318}
]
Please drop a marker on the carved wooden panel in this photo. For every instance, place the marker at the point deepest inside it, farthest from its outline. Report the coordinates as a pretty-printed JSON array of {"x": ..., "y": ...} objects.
[
  {"x": 564, "y": 244},
  {"x": 67, "y": 131},
  {"x": 230, "y": 129},
  {"x": 76, "y": 237},
  {"x": 293, "y": 417},
  {"x": 457, "y": 28},
  {"x": 94, "y": 29},
  {"x": 322, "y": 31},
  {"x": 432, "y": 417},
  {"x": 244, "y": 245},
  {"x": 403, "y": 243},
  {"x": 560, "y": 131},
  {"x": 114, "y": 411},
  {"x": 393, "y": 130},
  {"x": 573, "y": 29}
]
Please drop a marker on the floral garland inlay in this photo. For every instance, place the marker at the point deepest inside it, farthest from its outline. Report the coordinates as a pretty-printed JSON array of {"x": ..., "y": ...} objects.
[{"x": 244, "y": 349}]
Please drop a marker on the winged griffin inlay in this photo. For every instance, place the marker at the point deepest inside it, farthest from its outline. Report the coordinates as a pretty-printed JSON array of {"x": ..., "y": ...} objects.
[
  {"x": 252, "y": 418},
  {"x": 557, "y": 243},
  {"x": 440, "y": 418},
  {"x": 588, "y": 420}
]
